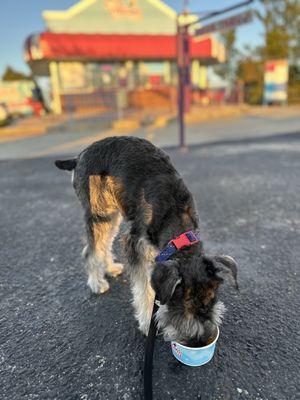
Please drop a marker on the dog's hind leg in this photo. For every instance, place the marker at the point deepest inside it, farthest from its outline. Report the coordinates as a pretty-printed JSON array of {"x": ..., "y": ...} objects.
[
  {"x": 101, "y": 232},
  {"x": 96, "y": 275},
  {"x": 139, "y": 257},
  {"x": 95, "y": 254},
  {"x": 113, "y": 268},
  {"x": 103, "y": 219}
]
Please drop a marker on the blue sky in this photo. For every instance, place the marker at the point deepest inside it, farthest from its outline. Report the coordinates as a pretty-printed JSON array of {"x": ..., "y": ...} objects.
[{"x": 19, "y": 18}]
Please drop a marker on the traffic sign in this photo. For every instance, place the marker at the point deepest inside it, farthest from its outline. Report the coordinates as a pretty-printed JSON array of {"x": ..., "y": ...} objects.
[{"x": 226, "y": 24}]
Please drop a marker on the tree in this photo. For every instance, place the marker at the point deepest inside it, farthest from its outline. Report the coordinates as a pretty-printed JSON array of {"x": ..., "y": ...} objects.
[
  {"x": 294, "y": 84},
  {"x": 281, "y": 22},
  {"x": 12, "y": 75},
  {"x": 250, "y": 72}
]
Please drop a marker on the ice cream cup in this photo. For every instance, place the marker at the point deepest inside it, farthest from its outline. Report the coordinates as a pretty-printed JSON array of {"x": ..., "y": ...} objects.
[{"x": 194, "y": 356}]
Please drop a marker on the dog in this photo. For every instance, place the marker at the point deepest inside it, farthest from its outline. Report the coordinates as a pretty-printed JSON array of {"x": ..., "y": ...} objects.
[{"x": 128, "y": 177}]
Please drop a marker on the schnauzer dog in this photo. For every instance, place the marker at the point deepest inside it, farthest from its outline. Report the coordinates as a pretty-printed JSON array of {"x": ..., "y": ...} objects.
[{"x": 130, "y": 178}]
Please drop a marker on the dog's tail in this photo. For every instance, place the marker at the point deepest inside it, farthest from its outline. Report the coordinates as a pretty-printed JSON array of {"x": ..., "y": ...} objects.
[{"x": 67, "y": 165}]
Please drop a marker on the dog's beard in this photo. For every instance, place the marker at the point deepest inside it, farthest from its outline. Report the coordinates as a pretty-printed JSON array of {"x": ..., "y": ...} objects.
[
  {"x": 218, "y": 312},
  {"x": 179, "y": 328},
  {"x": 176, "y": 326}
]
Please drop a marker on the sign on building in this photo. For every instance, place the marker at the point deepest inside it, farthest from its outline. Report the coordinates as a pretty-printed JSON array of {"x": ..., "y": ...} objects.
[
  {"x": 123, "y": 8},
  {"x": 276, "y": 81},
  {"x": 226, "y": 24}
]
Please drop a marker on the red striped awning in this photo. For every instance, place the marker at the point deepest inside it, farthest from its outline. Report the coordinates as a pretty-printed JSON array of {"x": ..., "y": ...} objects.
[{"x": 53, "y": 46}]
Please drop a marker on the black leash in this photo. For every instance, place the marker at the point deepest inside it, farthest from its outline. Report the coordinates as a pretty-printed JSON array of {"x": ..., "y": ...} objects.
[
  {"x": 185, "y": 239},
  {"x": 149, "y": 350}
]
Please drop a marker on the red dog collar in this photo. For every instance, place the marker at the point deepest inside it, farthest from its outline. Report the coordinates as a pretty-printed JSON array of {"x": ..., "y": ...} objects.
[{"x": 185, "y": 239}]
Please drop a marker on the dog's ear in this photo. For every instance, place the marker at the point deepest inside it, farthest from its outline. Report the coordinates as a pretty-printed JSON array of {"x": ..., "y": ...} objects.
[
  {"x": 165, "y": 278},
  {"x": 68, "y": 165},
  {"x": 226, "y": 268}
]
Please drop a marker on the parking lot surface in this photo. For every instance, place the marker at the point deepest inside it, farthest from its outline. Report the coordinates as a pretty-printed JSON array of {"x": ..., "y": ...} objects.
[{"x": 59, "y": 341}]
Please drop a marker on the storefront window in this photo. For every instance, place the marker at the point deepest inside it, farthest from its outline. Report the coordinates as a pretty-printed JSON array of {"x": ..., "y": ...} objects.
[
  {"x": 101, "y": 76},
  {"x": 154, "y": 74}
]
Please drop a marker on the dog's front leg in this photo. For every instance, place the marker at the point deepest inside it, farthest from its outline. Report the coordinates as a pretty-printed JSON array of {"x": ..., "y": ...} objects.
[
  {"x": 139, "y": 257},
  {"x": 143, "y": 298}
]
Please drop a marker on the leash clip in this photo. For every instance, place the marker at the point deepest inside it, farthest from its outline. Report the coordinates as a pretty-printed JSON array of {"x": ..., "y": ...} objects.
[{"x": 185, "y": 239}]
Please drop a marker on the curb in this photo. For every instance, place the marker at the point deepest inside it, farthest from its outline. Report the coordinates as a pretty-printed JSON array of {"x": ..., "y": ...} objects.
[{"x": 124, "y": 125}]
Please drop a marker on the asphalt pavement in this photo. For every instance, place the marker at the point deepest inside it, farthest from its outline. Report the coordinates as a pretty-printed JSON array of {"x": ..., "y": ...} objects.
[{"x": 59, "y": 341}]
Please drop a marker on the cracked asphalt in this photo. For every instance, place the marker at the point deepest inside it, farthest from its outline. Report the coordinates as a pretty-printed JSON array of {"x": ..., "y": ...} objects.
[{"x": 58, "y": 341}]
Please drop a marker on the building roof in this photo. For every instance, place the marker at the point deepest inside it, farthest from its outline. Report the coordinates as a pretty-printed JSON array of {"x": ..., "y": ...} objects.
[{"x": 84, "y": 4}]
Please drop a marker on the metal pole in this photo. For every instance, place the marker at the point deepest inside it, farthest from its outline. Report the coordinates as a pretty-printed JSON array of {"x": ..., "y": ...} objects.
[
  {"x": 181, "y": 97},
  {"x": 183, "y": 60},
  {"x": 183, "y": 63},
  {"x": 186, "y": 70},
  {"x": 181, "y": 111}
]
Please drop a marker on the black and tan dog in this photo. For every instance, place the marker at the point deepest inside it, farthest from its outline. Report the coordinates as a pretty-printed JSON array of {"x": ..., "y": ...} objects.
[{"x": 126, "y": 177}]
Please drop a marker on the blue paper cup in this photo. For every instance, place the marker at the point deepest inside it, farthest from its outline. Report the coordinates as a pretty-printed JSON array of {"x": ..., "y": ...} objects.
[{"x": 194, "y": 356}]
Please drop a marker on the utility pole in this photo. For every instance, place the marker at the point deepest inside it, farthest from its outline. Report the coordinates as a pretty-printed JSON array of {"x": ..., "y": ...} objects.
[
  {"x": 183, "y": 61},
  {"x": 183, "y": 67}
]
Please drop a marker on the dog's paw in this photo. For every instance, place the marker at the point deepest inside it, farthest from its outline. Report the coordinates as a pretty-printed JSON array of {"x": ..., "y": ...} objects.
[
  {"x": 104, "y": 286},
  {"x": 98, "y": 286},
  {"x": 115, "y": 269}
]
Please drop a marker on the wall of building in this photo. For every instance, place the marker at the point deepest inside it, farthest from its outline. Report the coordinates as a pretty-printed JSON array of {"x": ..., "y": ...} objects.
[{"x": 113, "y": 17}]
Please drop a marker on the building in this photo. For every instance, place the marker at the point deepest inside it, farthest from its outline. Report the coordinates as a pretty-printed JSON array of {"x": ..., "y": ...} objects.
[{"x": 97, "y": 46}]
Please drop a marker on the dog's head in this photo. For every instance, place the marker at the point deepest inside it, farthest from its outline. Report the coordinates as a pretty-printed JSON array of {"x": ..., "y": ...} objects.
[{"x": 187, "y": 290}]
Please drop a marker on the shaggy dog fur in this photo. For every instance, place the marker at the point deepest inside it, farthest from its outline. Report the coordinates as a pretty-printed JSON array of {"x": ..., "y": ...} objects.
[{"x": 126, "y": 177}]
